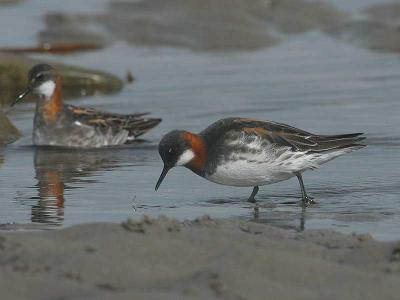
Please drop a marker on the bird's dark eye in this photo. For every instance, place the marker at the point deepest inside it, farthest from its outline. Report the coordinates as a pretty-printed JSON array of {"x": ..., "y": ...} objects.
[
  {"x": 172, "y": 151},
  {"x": 39, "y": 77}
]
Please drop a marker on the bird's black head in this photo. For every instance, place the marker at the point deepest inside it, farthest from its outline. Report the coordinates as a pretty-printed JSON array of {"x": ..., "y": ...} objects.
[
  {"x": 175, "y": 150},
  {"x": 41, "y": 80},
  {"x": 40, "y": 74},
  {"x": 172, "y": 146}
]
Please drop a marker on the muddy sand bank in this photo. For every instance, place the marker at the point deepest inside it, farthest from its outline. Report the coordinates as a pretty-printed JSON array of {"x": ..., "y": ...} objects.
[{"x": 201, "y": 259}]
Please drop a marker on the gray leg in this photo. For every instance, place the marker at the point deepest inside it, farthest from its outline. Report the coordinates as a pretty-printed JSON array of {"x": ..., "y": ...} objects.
[
  {"x": 306, "y": 200},
  {"x": 253, "y": 194}
]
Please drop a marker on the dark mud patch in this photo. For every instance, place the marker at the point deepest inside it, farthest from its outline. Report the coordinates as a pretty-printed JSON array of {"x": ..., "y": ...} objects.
[
  {"x": 197, "y": 24},
  {"x": 224, "y": 25},
  {"x": 290, "y": 16},
  {"x": 70, "y": 29},
  {"x": 9, "y": 2},
  {"x": 200, "y": 25},
  {"x": 378, "y": 29}
]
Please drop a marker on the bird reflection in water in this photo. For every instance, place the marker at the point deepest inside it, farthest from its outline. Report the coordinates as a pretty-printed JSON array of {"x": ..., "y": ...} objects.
[
  {"x": 291, "y": 220},
  {"x": 57, "y": 169},
  {"x": 50, "y": 206}
]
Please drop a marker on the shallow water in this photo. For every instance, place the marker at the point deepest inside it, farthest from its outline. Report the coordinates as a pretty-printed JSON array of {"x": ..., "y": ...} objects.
[{"x": 310, "y": 81}]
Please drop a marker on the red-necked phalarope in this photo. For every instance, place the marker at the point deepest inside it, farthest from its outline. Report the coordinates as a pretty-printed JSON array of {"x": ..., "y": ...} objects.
[
  {"x": 251, "y": 153},
  {"x": 59, "y": 124}
]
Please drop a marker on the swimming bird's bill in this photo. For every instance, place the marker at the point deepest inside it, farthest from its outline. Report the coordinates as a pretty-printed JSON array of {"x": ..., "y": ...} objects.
[{"x": 21, "y": 96}]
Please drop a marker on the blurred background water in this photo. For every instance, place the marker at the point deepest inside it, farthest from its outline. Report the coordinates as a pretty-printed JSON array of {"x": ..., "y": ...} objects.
[{"x": 326, "y": 78}]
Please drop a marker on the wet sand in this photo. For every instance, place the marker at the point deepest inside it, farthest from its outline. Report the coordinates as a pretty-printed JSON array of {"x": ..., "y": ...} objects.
[{"x": 201, "y": 259}]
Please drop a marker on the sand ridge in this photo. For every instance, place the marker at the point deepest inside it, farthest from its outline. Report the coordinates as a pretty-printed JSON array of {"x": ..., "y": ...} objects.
[{"x": 200, "y": 259}]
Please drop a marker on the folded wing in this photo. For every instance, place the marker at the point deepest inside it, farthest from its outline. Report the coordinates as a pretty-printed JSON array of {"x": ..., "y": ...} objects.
[
  {"x": 136, "y": 124},
  {"x": 297, "y": 139}
]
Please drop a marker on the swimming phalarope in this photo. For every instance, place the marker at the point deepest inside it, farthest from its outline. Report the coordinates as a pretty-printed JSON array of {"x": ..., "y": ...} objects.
[{"x": 59, "y": 124}]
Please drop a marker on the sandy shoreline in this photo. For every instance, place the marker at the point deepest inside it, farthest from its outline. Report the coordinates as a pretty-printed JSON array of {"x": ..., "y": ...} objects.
[{"x": 200, "y": 259}]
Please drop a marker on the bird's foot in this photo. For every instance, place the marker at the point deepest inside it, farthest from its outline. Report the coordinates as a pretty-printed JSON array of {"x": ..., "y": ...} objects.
[
  {"x": 251, "y": 200},
  {"x": 307, "y": 201}
]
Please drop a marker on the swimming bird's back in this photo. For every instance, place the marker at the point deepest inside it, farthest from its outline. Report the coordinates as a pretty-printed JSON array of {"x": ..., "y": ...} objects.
[
  {"x": 134, "y": 124},
  {"x": 90, "y": 128}
]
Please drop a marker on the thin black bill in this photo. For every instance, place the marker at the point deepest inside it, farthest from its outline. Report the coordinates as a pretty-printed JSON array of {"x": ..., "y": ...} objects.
[
  {"x": 20, "y": 97},
  {"x": 162, "y": 176}
]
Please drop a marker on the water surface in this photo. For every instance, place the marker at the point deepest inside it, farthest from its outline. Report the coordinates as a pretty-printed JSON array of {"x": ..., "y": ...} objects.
[{"x": 310, "y": 81}]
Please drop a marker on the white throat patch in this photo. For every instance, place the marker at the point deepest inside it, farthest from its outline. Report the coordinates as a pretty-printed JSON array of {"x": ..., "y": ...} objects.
[
  {"x": 185, "y": 157},
  {"x": 46, "y": 88}
]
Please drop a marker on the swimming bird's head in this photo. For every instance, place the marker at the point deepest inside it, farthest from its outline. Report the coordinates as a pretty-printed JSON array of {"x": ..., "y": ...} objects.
[
  {"x": 42, "y": 80},
  {"x": 181, "y": 148}
]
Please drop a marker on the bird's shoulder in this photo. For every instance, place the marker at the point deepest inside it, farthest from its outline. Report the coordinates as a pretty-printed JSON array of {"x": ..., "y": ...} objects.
[{"x": 90, "y": 116}]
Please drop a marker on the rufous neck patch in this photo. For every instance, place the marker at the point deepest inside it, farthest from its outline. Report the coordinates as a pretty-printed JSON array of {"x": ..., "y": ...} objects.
[{"x": 199, "y": 148}]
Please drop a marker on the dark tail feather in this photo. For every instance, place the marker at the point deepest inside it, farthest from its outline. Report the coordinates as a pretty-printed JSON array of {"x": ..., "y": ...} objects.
[
  {"x": 354, "y": 137},
  {"x": 336, "y": 142},
  {"x": 138, "y": 115},
  {"x": 139, "y": 126}
]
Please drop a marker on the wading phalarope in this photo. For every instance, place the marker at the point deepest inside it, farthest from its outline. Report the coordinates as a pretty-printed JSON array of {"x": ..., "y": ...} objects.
[
  {"x": 250, "y": 153},
  {"x": 59, "y": 124}
]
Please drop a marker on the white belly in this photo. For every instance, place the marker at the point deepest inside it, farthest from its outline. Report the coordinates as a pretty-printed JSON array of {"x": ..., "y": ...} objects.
[
  {"x": 254, "y": 163},
  {"x": 268, "y": 166},
  {"x": 244, "y": 173}
]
